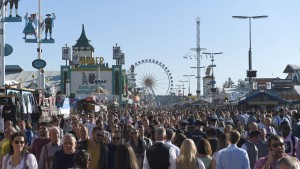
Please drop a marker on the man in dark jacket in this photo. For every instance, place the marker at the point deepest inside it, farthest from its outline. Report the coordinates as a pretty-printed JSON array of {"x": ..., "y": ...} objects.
[
  {"x": 160, "y": 155},
  {"x": 96, "y": 148}
]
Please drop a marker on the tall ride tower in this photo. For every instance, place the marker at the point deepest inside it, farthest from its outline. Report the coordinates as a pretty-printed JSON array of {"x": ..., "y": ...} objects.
[{"x": 198, "y": 59}]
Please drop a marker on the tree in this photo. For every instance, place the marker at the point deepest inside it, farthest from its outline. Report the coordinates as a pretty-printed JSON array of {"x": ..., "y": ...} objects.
[
  {"x": 228, "y": 84},
  {"x": 241, "y": 83}
]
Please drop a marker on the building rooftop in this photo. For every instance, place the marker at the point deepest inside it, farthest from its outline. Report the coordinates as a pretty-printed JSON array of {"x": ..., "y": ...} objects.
[
  {"x": 83, "y": 43},
  {"x": 30, "y": 77},
  {"x": 291, "y": 68}
]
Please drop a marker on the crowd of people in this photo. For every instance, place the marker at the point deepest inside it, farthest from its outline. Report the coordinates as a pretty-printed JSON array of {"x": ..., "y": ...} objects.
[{"x": 158, "y": 138}]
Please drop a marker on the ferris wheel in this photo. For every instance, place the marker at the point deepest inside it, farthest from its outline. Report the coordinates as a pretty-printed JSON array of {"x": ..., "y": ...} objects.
[{"x": 153, "y": 77}]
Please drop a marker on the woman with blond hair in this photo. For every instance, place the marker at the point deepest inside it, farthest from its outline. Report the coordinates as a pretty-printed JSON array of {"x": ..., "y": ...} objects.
[{"x": 187, "y": 158}]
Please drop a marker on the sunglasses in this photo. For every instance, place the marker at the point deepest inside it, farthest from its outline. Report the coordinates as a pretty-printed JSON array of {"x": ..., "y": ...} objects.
[
  {"x": 116, "y": 138},
  {"x": 19, "y": 142},
  {"x": 275, "y": 145}
]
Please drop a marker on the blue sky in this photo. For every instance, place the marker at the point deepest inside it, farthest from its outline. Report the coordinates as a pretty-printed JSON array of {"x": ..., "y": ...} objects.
[{"x": 165, "y": 30}]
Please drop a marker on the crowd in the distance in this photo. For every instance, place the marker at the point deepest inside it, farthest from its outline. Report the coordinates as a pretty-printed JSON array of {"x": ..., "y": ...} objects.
[{"x": 160, "y": 138}]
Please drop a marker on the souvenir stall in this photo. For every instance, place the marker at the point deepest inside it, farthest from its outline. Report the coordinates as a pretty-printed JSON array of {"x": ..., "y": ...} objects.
[{"x": 19, "y": 103}]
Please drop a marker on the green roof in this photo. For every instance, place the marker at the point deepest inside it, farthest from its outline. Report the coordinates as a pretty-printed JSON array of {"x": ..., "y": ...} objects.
[{"x": 83, "y": 40}]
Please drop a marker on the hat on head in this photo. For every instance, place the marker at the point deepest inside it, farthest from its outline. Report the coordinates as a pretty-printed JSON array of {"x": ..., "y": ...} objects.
[
  {"x": 48, "y": 14},
  {"x": 183, "y": 122},
  {"x": 213, "y": 118},
  {"x": 173, "y": 128}
]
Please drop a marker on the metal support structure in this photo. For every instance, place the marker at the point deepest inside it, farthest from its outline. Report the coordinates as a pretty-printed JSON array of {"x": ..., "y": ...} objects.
[
  {"x": 2, "y": 46},
  {"x": 198, "y": 58},
  {"x": 39, "y": 50}
]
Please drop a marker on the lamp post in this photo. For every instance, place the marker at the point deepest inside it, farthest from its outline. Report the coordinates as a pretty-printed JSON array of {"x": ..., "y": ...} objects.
[
  {"x": 183, "y": 81},
  {"x": 250, "y": 73},
  {"x": 179, "y": 87},
  {"x": 189, "y": 83}
]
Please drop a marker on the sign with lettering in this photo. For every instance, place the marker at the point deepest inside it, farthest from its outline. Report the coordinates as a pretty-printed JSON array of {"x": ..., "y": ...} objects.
[
  {"x": 91, "y": 61},
  {"x": 84, "y": 82}
]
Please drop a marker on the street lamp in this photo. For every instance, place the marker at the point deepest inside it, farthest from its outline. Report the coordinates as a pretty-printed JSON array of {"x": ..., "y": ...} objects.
[
  {"x": 179, "y": 86},
  {"x": 250, "y": 73},
  {"x": 183, "y": 81},
  {"x": 189, "y": 83},
  {"x": 213, "y": 82}
]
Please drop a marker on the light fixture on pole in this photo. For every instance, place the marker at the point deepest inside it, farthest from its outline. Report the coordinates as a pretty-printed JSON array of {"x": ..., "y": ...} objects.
[
  {"x": 179, "y": 87},
  {"x": 189, "y": 94},
  {"x": 183, "y": 81},
  {"x": 250, "y": 73},
  {"x": 213, "y": 82}
]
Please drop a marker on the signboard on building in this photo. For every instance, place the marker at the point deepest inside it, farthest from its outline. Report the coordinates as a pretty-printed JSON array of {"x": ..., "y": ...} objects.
[
  {"x": 83, "y": 81},
  {"x": 282, "y": 83},
  {"x": 66, "y": 53}
]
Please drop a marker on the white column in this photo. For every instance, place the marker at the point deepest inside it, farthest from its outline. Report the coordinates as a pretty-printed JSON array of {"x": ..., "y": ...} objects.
[{"x": 2, "y": 48}]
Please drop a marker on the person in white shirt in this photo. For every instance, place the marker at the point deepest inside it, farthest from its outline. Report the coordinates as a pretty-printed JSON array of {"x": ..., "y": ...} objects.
[
  {"x": 269, "y": 129},
  {"x": 290, "y": 141},
  {"x": 170, "y": 136},
  {"x": 277, "y": 120},
  {"x": 91, "y": 124}
]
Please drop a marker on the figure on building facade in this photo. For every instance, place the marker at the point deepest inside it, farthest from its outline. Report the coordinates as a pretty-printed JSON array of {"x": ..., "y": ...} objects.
[
  {"x": 49, "y": 24},
  {"x": 11, "y": 4},
  {"x": 29, "y": 28},
  {"x": 84, "y": 79}
]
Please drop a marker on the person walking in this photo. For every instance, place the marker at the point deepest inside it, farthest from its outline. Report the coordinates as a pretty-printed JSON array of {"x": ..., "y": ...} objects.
[
  {"x": 170, "y": 135},
  {"x": 42, "y": 140},
  {"x": 204, "y": 152},
  {"x": 250, "y": 147},
  {"x": 188, "y": 156},
  {"x": 48, "y": 151},
  {"x": 82, "y": 160},
  {"x": 64, "y": 158},
  {"x": 18, "y": 156},
  {"x": 96, "y": 148},
  {"x": 276, "y": 151},
  {"x": 126, "y": 158},
  {"x": 160, "y": 155},
  {"x": 233, "y": 157}
]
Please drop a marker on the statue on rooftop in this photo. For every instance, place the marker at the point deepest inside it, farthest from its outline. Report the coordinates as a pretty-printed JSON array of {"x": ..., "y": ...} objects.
[
  {"x": 29, "y": 22},
  {"x": 49, "y": 23},
  {"x": 11, "y": 4}
]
